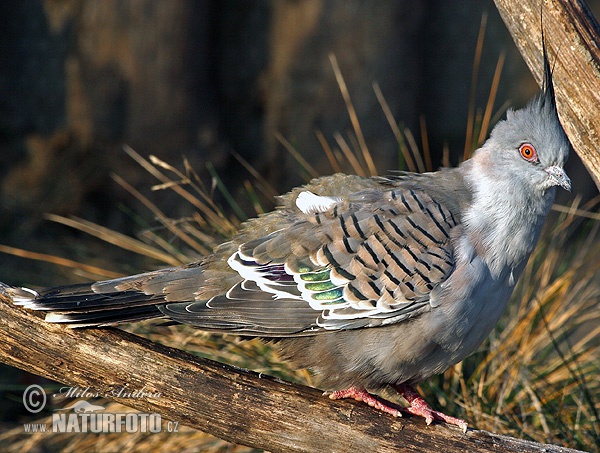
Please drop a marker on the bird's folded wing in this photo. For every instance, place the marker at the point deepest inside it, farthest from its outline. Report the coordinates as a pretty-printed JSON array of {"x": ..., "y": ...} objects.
[{"x": 372, "y": 258}]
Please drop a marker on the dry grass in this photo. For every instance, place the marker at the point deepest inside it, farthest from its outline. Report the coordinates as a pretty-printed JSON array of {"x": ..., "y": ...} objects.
[{"x": 535, "y": 377}]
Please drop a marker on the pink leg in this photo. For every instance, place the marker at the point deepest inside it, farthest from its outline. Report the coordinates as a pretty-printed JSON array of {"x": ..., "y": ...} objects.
[
  {"x": 360, "y": 394},
  {"x": 418, "y": 406}
]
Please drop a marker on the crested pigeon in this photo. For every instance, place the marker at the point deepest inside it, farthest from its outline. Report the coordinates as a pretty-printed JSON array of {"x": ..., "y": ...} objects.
[{"x": 368, "y": 282}]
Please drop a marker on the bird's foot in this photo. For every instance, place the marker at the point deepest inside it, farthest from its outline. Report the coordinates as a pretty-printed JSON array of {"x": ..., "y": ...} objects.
[
  {"x": 418, "y": 406},
  {"x": 360, "y": 394}
]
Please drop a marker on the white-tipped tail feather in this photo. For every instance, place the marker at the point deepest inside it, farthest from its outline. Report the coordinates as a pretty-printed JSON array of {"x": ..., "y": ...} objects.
[{"x": 23, "y": 296}]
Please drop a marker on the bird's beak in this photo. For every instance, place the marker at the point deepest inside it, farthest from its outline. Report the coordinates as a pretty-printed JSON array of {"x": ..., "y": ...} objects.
[{"x": 559, "y": 177}]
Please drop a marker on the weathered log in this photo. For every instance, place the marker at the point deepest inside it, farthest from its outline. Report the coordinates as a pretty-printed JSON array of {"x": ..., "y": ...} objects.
[{"x": 234, "y": 404}]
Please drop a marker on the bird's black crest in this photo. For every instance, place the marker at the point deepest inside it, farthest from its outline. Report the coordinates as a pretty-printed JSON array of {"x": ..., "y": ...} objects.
[{"x": 547, "y": 96}]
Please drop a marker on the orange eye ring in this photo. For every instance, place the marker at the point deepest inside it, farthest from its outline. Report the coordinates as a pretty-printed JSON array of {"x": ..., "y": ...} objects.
[{"x": 528, "y": 152}]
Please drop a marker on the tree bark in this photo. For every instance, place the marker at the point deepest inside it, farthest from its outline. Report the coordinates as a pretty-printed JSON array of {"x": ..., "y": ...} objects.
[
  {"x": 234, "y": 404},
  {"x": 572, "y": 37}
]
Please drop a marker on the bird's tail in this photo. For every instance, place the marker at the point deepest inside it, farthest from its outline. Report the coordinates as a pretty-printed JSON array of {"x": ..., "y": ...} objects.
[
  {"x": 80, "y": 306},
  {"x": 104, "y": 303}
]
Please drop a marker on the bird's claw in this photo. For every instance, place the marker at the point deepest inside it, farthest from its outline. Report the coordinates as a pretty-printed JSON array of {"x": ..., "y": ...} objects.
[
  {"x": 430, "y": 416},
  {"x": 360, "y": 394},
  {"x": 419, "y": 407}
]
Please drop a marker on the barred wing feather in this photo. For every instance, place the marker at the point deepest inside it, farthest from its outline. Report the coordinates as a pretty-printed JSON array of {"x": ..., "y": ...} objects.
[{"x": 370, "y": 259}]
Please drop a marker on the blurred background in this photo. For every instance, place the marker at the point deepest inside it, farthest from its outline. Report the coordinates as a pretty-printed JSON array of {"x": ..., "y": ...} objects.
[
  {"x": 207, "y": 79},
  {"x": 211, "y": 80}
]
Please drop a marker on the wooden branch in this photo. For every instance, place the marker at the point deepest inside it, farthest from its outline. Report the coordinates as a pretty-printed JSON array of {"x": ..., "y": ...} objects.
[
  {"x": 236, "y": 405},
  {"x": 572, "y": 37}
]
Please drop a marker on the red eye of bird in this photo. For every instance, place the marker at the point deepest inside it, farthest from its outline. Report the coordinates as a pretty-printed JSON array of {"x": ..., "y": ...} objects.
[{"x": 528, "y": 152}]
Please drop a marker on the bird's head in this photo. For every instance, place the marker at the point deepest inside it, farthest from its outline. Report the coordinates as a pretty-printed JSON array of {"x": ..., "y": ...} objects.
[{"x": 530, "y": 145}]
